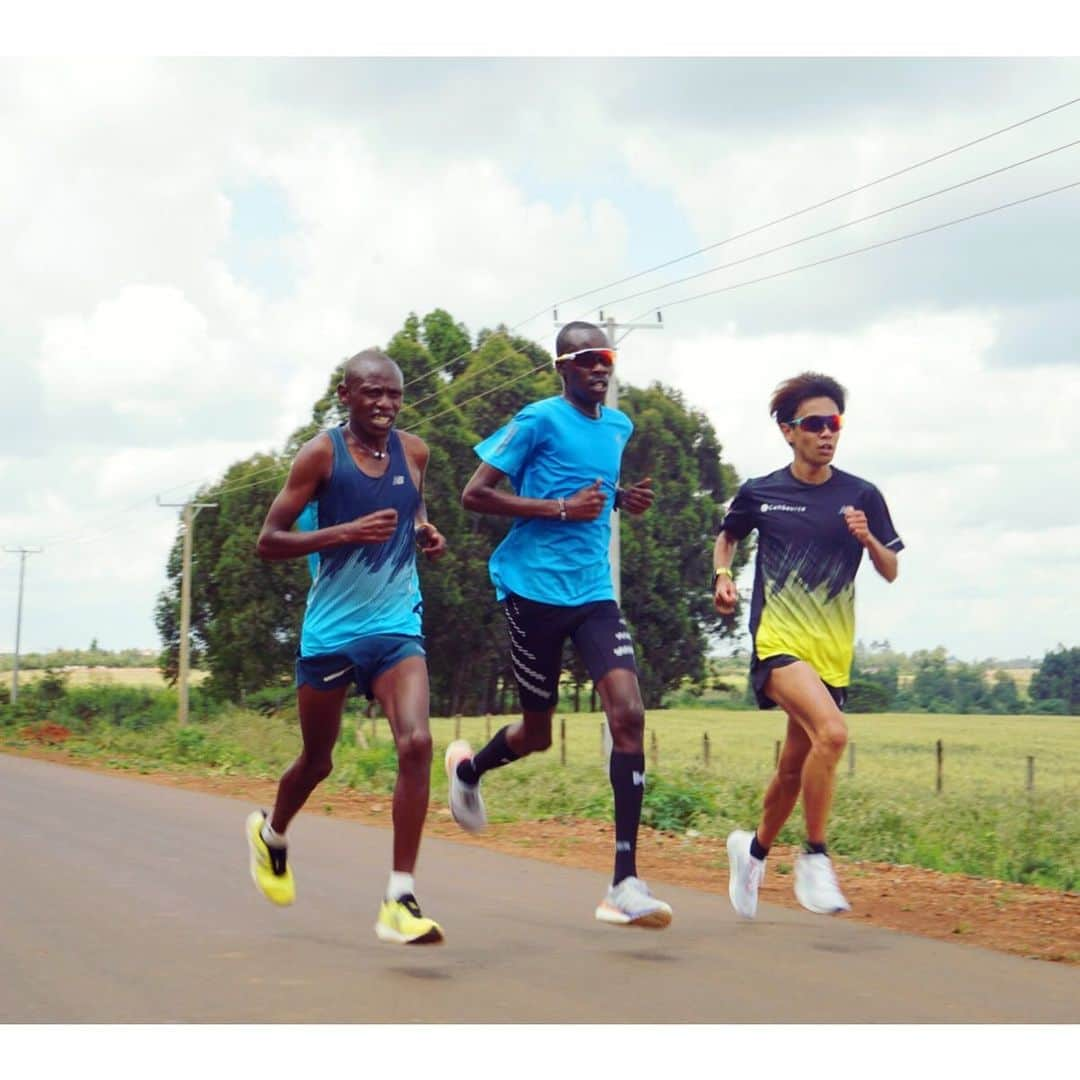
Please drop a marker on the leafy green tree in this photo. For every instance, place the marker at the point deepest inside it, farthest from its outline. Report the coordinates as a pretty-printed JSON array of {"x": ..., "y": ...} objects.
[
  {"x": 1058, "y": 678},
  {"x": 246, "y": 614},
  {"x": 244, "y": 611},
  {"x": 667, "y": 552},
  {"x": 1004, "y": 697}
]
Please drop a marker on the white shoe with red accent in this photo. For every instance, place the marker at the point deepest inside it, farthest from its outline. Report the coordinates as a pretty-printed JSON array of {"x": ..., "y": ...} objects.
[
  {"x": 466, "y": 802},
  {"x": 816, "y": 887},
  {"x": 745, "y": 874},
  {"x": 631, "y": 904}
]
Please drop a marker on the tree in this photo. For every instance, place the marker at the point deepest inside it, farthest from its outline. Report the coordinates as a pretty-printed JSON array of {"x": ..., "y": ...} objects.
[
  {"x": 1004, "y": 698},
  {"x": 666, "y": 553},
  {"x": 244, "y": 612},
  {"x": 1058, "y": 678}
]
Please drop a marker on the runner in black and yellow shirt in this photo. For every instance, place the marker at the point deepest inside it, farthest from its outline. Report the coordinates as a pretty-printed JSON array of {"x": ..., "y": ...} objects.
[{"x": 813, "y": 523}]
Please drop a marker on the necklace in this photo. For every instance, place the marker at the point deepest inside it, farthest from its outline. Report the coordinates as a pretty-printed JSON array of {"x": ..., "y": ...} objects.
[{"x": 378, "y": 455}]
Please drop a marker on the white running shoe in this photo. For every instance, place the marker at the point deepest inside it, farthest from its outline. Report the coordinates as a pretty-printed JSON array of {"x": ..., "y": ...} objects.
[
  {"x": 745, "y": 874},
  {"x": 631, "y": 904},
  {"x": 816, "y": 887},
  {"x": 466, "y": 803}
]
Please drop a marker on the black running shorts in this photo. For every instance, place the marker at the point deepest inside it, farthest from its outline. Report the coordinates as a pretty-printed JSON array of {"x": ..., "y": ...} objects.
[
  {"x": 760, "y": 670},
  {"x": 538, "y": 632}
]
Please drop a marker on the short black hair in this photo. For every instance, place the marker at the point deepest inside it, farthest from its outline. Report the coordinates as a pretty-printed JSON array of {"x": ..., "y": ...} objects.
[
  {"x": 562, "y": 342},
  {"x": 355, "y": 364},
  {"x": 791, "y": 393}
]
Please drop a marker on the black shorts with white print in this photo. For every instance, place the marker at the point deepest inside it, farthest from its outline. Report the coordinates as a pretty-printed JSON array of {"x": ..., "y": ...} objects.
[{"x": 538, "y": 632}]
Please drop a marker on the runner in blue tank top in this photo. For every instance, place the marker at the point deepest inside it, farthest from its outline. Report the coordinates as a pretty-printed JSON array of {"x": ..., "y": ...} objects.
[
  {"x": 357, "y": 491},
  {"x": 562, "y": 457}
]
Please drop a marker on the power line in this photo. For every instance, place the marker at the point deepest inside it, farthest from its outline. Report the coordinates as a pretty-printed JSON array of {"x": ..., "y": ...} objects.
[
  {"x": 840, "y": 227},
  {"x": 869, "y": 247},
  {"x": 824, "y": 202},
  {"x": 767, "y": 225},
  {"x": 75, "y": 537}
]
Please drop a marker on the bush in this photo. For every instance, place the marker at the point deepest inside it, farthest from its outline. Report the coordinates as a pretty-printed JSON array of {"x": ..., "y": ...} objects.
[{"x": 675, "y": 807}]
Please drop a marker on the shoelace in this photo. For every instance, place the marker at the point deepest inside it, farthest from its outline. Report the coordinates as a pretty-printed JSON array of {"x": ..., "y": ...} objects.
[{"x": 408, "y": 901}]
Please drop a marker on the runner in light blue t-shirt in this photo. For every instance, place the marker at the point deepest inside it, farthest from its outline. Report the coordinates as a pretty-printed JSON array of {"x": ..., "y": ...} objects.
[{"x": 561, "y": 457}]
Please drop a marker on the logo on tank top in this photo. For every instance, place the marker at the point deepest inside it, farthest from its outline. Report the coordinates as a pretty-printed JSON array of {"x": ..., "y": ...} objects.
[{"x": 398, "y": 481}]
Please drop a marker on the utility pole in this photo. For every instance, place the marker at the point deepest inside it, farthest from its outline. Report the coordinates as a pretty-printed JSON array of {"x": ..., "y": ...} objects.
[
  {"x": 191, "y": 511},
  {"x": 612, "y": 402},
  {"x": 22, "y": 552}
]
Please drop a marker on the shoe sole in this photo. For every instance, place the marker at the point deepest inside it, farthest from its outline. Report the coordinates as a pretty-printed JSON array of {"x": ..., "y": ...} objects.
[
  {"x": 653, "y": 920},
  {"x": 254, "y": 821},
  {"x": 450, "y": 761},
  {"x": 434, "y": 936},
  {"x": 820, "y": 910},
  {"x": 735, "y": 856}
]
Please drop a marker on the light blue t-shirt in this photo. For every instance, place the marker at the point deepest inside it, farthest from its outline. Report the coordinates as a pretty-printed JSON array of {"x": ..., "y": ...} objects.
[{"x": 551, "y": 450}]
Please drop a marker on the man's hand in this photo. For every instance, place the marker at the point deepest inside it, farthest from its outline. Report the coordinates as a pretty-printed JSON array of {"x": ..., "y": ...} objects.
[
  {"x": 586, "y": 504},
  {"x": 857, "y": 525},
  {"x": 374, "y": 528},
  {"x": 637, "y": 498},
  {"x": 725, "y": 596},
  {"x": 430, "y": 541}
]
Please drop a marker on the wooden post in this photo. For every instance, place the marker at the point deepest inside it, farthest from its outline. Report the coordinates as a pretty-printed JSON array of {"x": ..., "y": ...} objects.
[
  {"x": 851, "y": 759},
  {"x": 776, "y": 756},
  {"x": 1031, "y": 773},
  {"x": 940, "y": 766},
  {"x": 654, "y": 750},
  {"x": 705, "y": 748},
  {"x": 562, "y": 740},
  {"x": 487, "y": 728},
  {"x": 457, "y": 726}
]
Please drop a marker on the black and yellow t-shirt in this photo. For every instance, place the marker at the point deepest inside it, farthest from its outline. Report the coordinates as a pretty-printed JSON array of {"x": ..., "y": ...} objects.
[{"x": 803, "y": 602}]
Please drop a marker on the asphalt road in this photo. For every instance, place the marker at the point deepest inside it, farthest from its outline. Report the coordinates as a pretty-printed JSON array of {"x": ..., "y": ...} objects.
[{"x": 124, "y": 901}]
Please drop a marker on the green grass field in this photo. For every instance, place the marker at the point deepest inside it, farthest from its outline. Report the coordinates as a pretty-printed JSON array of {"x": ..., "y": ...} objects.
[{"x": 984, "y": 822}]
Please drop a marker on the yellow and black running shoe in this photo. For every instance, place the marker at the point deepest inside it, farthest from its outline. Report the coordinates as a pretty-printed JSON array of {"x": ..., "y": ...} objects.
[
  {"x": 401, "y": 923},
  {"x": 270, "y": 871}
]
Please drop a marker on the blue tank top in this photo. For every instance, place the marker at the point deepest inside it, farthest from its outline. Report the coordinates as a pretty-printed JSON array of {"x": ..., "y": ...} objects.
[{"x": 360, "y": 590}]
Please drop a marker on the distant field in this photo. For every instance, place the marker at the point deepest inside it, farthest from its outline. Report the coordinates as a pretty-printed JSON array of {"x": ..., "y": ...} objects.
[
  {"x": 893, "y": 752},
  {"x": 136, "y": 676}
]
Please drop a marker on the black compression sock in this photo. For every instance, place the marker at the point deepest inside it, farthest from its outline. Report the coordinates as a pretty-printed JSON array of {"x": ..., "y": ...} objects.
[
  {"x": 496, "y": 753},
  {"x": 757, "y": 850},
  {"x": 627, "y": 772},
  {"x": 815, "y": 849}
]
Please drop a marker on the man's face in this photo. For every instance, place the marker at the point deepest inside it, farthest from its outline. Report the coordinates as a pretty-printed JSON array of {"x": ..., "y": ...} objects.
[
  {"x": 586, "y": 373},
  {"x": 373, "y": 396},
  {"x": 815, "y": 447}
]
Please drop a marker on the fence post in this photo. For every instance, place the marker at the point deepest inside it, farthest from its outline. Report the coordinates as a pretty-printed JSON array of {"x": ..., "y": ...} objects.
[
  {"x": 1031, "y": 773},
  {"x": 776, "y": 756},
  {"x": 487, "y": 728},
  {"x": 851, "y": 759},
  {"x": 654, "y": 750},
  {"x": 940, "y": 766},
  {"x": 705, "y": 748},
  {"x": 562, "y": 740},
  {"x": 457, "y": 726}
]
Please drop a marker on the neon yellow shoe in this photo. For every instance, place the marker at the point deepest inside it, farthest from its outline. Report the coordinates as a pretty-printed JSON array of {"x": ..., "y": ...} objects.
[
  {"x": 401, "y": 923},
  {"x": 269, "y": 870}
]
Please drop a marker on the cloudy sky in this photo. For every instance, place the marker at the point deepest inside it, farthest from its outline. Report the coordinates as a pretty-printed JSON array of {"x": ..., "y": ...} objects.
[{"x": 191, "y": 245}]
